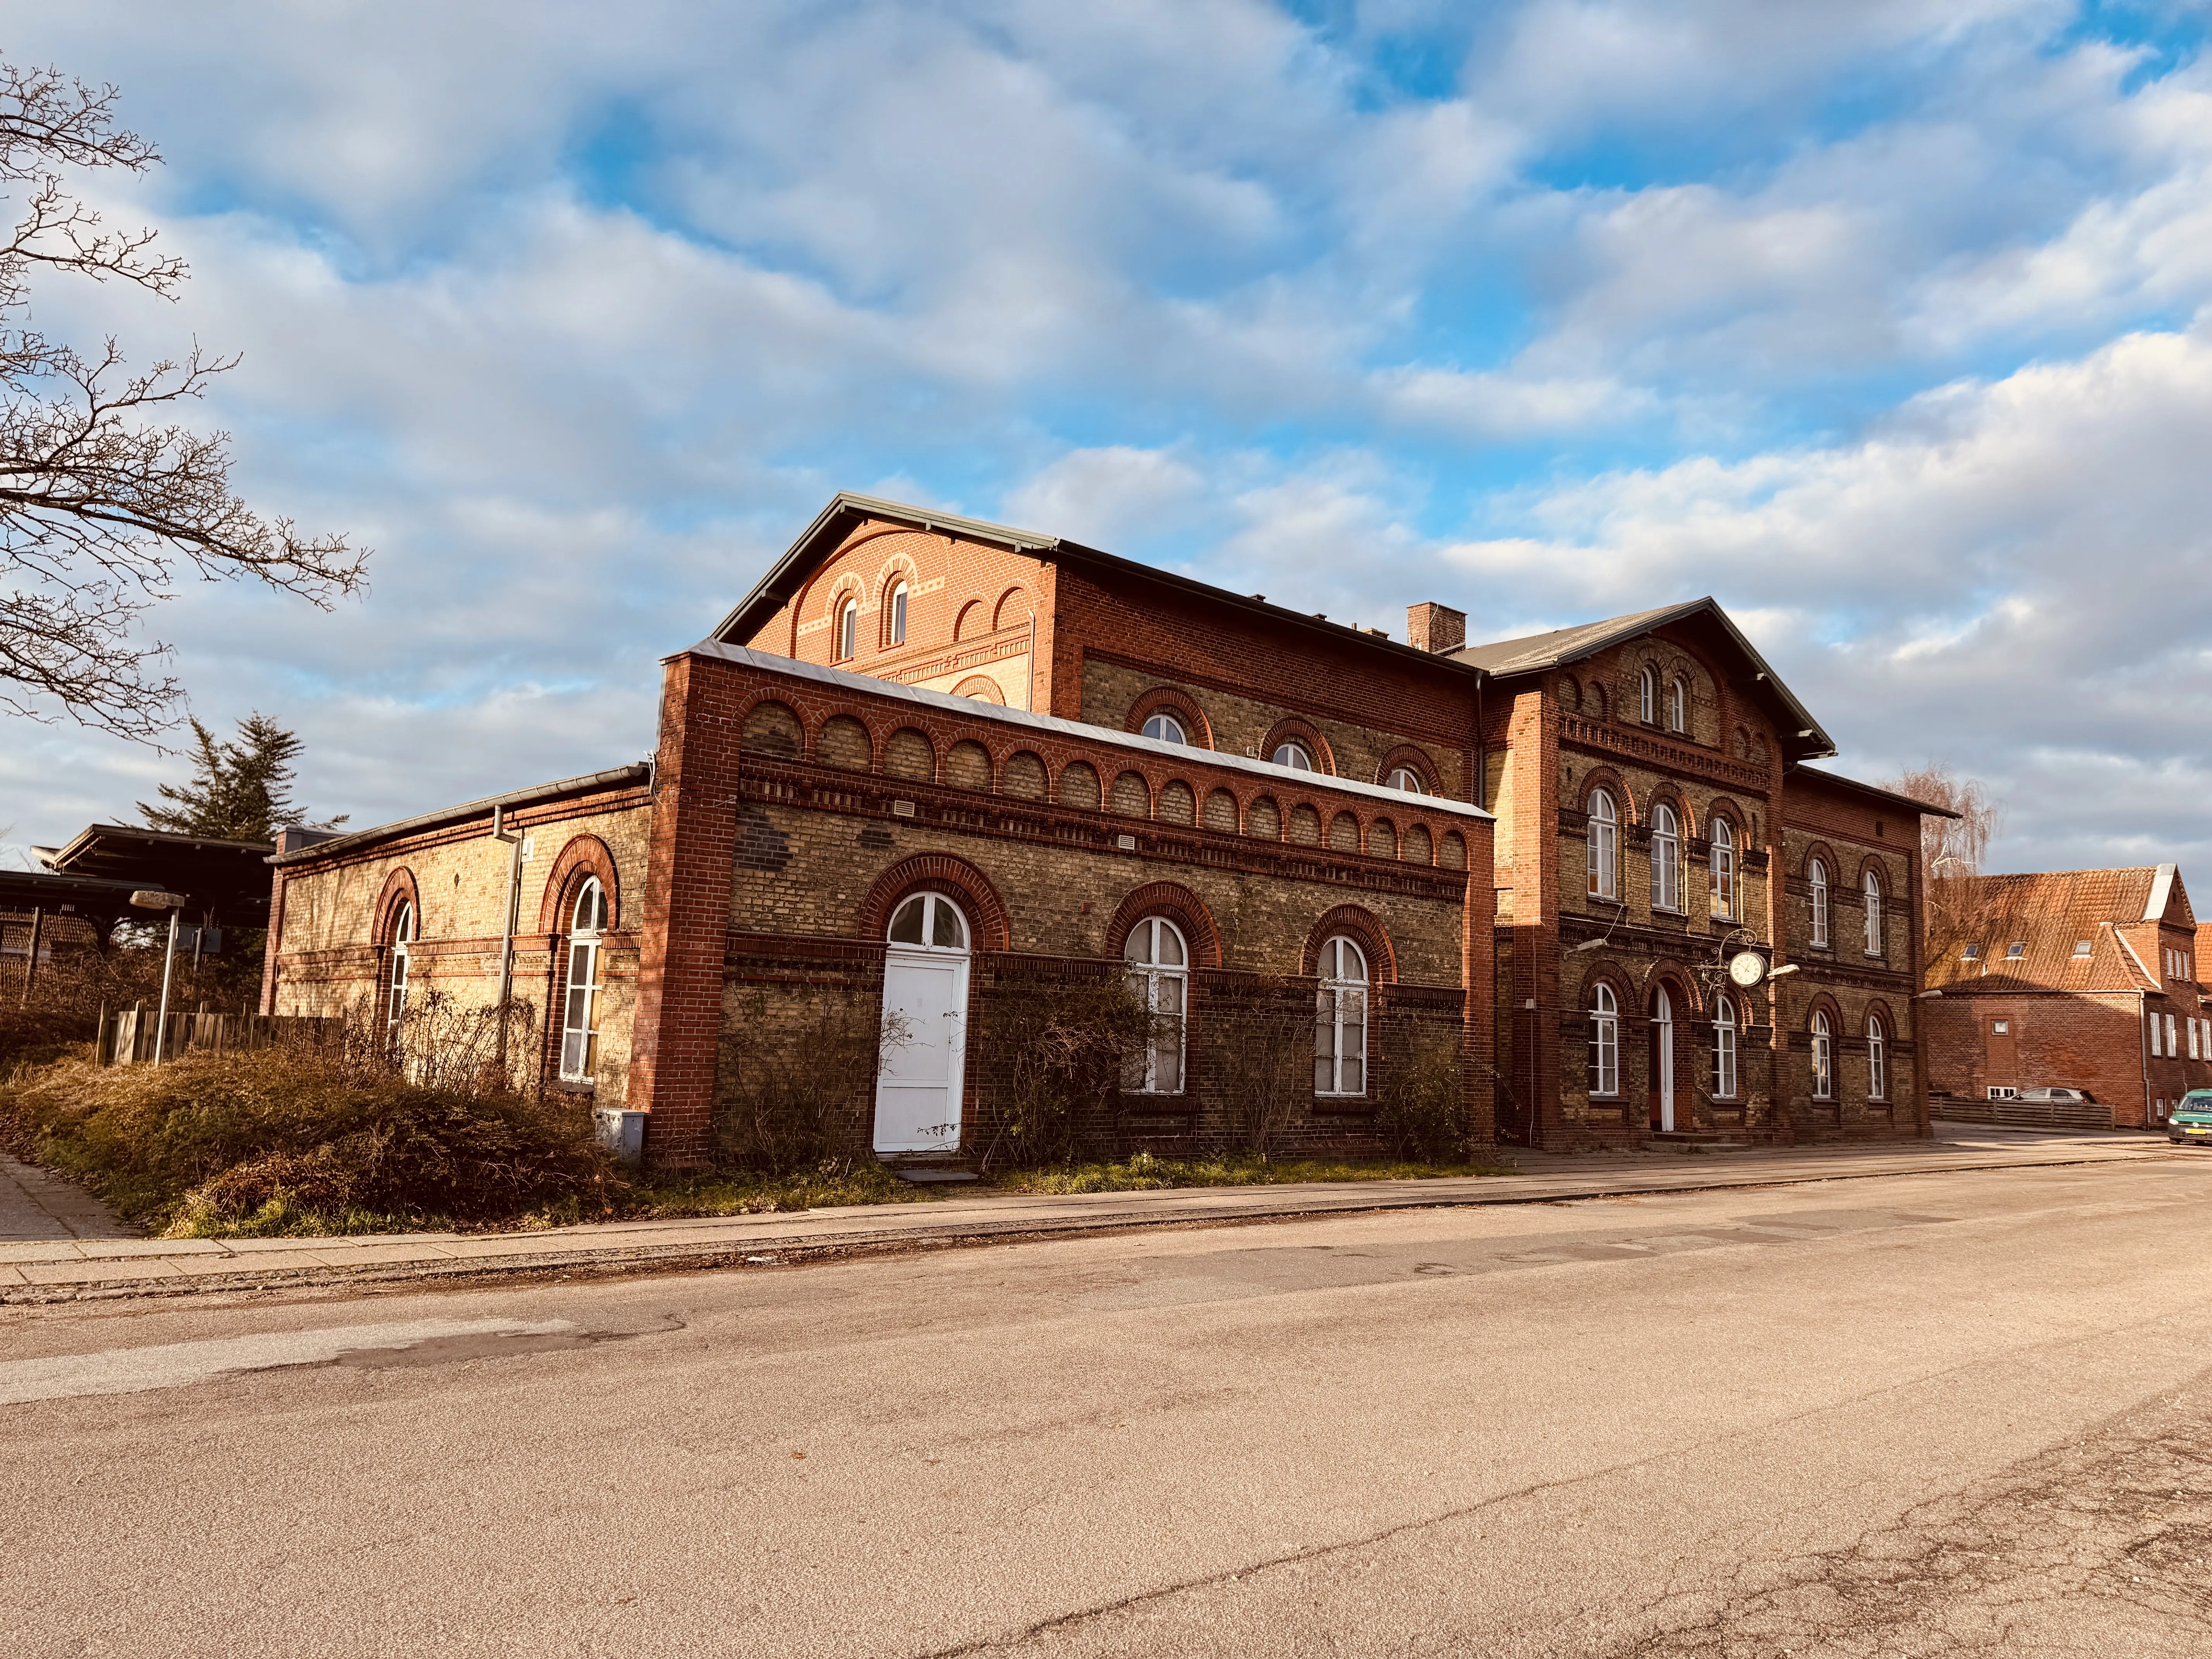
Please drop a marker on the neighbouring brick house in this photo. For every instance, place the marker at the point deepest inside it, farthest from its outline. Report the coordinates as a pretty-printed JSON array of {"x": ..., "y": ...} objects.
[
  {"x": 930, "y": 762},
  {"x": 2074, "y": 979}
]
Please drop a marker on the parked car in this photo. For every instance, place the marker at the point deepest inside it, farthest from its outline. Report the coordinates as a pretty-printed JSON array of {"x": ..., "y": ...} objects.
[
  {"x": 2192, "y": 1117},
  {"x": 2082, "y": 1095}
]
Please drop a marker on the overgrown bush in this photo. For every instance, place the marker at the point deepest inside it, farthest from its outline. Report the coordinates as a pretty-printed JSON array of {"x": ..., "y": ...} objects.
[
  {"x": 1063, "y": 1044},
  {"x": 1424, "y": 1111},
  {"x": 79, "y": 978},
  {"x": 289, "y": 1140},
  {"x": 798, "y": 1078},
  {"x": 1260, "y": 1044}
]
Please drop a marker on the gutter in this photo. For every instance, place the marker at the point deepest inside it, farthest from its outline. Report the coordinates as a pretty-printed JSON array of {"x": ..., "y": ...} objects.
[{"x": 641, "y": 772}]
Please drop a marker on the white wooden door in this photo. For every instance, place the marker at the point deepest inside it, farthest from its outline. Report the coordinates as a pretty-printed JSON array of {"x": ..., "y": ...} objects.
[
  {"x": 1665, "y": 1023},
  {"x": 918, "y": 1091}
]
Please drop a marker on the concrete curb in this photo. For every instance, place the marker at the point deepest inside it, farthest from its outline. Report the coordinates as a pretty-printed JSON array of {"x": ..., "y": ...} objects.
[{"x": 109, "y": 1269}]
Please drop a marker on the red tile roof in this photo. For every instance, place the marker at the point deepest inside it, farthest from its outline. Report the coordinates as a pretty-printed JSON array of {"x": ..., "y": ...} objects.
[{"x": 2050, "y": 915}]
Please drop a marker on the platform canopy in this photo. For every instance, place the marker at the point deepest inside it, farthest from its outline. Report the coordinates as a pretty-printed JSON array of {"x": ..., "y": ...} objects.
[{"x": 225, "y": 883}]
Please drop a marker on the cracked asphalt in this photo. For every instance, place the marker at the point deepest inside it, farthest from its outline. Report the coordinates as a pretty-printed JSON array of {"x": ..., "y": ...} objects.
[{"x": 1935, "y": 1414}]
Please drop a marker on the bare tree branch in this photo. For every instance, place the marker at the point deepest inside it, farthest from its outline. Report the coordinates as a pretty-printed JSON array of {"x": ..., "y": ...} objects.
[{"x": 104, "y": 496}]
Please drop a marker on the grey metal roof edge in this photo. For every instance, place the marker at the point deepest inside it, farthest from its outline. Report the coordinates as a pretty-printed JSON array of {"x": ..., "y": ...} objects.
[
  {"x": 1910, "y": 803},
  {"x": 775, "y": 588},
  {"x": 969, "y": 707},
  {"x": 637, "y": 771}
]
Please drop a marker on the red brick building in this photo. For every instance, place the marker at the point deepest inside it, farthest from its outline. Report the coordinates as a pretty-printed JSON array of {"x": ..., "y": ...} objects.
[
  {"x": 931, "y": 764},
  {"x": 2072, "y": 979}
]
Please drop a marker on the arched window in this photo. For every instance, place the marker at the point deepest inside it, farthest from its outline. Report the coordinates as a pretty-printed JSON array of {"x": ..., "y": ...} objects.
[
  {"x": 1724, "y": 1033},
  {"x": 1818, "y": 876},
  {"x": 1294, "y": 754},
  {"x": 1165, "y": 727},
  {"x": 930, "y": 921},
  {"x": 1647, "y": 697},
  {"x": 1823, "y": 1058},
  {"x": 1678, "y": 706},
  {"x": 1340, "y": 1021},
  {"x": 1604, "y": 847},
  {"x": 580, "y": 1011},
  {"x": 1873, "y": 914},
  {"x": 848, "y": 630},
  {"x": 1605, "y": 1042},
  {"x": 1407, "y": 779},
  {"x": 1723, "y": 869},
  {"x": 1877, "y": 1059},
  {"x": 1159, "y": 968},
  {"x": 403, "y": 935},
  {"x": 898, "y": 615},
  {"x": 1666, "y": 860}
]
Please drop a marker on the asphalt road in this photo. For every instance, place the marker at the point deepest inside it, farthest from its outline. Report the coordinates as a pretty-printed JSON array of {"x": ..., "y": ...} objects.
[{"x": 1939, "y": 1414}]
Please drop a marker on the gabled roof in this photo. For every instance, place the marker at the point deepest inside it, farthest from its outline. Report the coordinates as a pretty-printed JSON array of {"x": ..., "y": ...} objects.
[
  {"x": 1801, "y": 736},
  {"x": 847, "y": 511},
  {"x": 2050, "y": 914}
]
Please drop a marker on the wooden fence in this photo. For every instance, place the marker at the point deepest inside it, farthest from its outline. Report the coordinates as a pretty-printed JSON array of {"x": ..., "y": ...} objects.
[{"x": 127, "y": 1037}]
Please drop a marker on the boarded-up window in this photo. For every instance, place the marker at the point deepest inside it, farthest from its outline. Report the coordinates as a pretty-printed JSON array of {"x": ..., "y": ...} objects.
[
  {"x": 1133, "y": 796},
  {"x": 1305, "y": 825},
  {"x": 969, "y": 765},
  {"x": 907, "y": 754},
  {"x": 1178, "y": 804},
  {"x": 1025, "y": 777},
  {"x": 1417, "y": 849},
  {"x": 772, "y": 729},
  {"x": 1344, "y": 832},
  {"x": 1383, "y": 839},
  {"x": 844, "y": 742},
  {"x": 1221, "y": 812},
  {"x": 1265, "y": 820},
  {"x": 1078, "y": 786},
  {"x": 1455, "y": 856}
]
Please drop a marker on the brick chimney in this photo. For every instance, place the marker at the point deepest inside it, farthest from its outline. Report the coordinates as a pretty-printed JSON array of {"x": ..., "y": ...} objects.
[{"x": 1435, "y": 628}]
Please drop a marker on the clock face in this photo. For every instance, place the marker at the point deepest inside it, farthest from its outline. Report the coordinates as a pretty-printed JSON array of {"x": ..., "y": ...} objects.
[{"x": 1746, "y": 968}]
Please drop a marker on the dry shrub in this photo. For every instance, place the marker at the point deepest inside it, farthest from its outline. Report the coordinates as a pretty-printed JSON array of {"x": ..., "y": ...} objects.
[
  {"x": 1423, "y": 1110},
  {"x": 1064, "y": 1044},
  {"x": 798, "y": 1078},
  {"x": 1260, "y": 1042},
  {"x": 285, "y": 1139},
  {"x": 79, "y": 978}
]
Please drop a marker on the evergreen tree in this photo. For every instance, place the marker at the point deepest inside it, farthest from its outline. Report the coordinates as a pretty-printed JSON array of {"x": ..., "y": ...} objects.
[{"x": 239, "y": 791}]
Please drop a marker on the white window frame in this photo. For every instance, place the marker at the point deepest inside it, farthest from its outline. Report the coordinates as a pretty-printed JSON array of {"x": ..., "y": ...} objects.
[
  {"x": 2193, "y": 1053},
  {"x": 2153, "y": 1014},
  {"x": 1406, "y": 781},
  {"x": 1877, "y": 1059},
  {"x": 1678, "y": 706},
  {"x": 898, "y": 614},
  {"x": 1301, "y": 759},
  {"x": 1820, "y": 883},
  {"x": 848, "y": 630},
  {"x": 1605, "y": 1042},
  {"x": 1870, "y": 884},
  {"x": 2172, "y": 1046},
  {"x": 1174, "y": 733},
  {"x": 1604, "y": 834},
  {"x": 1721, "y": 856},
  {"x": 1163, "y": 987},
  {"x": 1724, "y": 1048},
  {"x": 1666, "y": 858},
  {"x": 1824, "y": 1057},
  {"x": 404, "y": 926},
  {"x": 579, "y": 994},
  {"x": 1647, "y": 697},
  {"x": 1340, "y": 1021}
]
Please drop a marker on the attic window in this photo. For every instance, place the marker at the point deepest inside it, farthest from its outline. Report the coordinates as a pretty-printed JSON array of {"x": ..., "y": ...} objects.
[
  {"x": 1972, "y": 953},
  {"x": 2017, "y": 948},
  {"x": 2080, "y": 947}
]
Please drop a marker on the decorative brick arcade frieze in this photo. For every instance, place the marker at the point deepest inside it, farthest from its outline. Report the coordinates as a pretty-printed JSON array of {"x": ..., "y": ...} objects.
[{"x": 1627, "y": 742}]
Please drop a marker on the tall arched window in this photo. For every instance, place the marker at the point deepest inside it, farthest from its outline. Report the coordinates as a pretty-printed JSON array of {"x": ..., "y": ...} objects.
[
  {"x": 1873, "y": 914},
  {"x": 1605, "y": 1042},
  {"x": 1604, "y": 847},
  {"x": 1647, "y": 697},
  {"x": 1678, "y": 706},
  {"x": 1340, "y": 1021},
  {"x": 1817, "y": 876},
  {"x": 1823, "y": 1058},
  {"x": 848, "y": 630},
  {"x": 579, "y": 1006},
  {"x": 1877, "y": 1059},
  {"x": 1158, "y": 970},
  {"x": 403, "y": 935},
  {"x": 898, "y": 615},
  {"x": 1724, "y": 1033},
  {"x": 1165, "y": 727},
  {"x": 1723, "y": 869},
  {"x": 1666, "y": 860}
]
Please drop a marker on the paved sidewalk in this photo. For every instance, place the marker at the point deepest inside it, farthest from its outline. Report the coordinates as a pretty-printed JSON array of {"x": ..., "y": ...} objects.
[
  {"x": 86, "y": 1266},
  {"x": 35, "y": 1205}
]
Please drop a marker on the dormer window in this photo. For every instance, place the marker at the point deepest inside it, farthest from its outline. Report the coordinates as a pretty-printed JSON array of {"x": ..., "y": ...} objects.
[
  {"x": 2080, "y": 947},
  {"x": 2016, "y": 950},
  {"x": 1972, "y": 953}
]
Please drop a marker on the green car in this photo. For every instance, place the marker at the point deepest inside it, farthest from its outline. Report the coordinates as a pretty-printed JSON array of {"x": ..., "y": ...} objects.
[{"x": 2192, "y": 1118}]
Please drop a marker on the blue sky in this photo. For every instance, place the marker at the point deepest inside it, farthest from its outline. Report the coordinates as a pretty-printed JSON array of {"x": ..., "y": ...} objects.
[{"x": 1884, "y": 322}]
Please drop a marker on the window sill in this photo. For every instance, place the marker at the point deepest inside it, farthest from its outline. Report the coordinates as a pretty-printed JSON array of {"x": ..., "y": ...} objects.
[{"x": 569, "y": 1086}]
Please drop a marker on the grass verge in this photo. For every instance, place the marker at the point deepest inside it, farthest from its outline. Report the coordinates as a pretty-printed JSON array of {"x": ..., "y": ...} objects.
[{"x": 1144, "y": 1173}]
